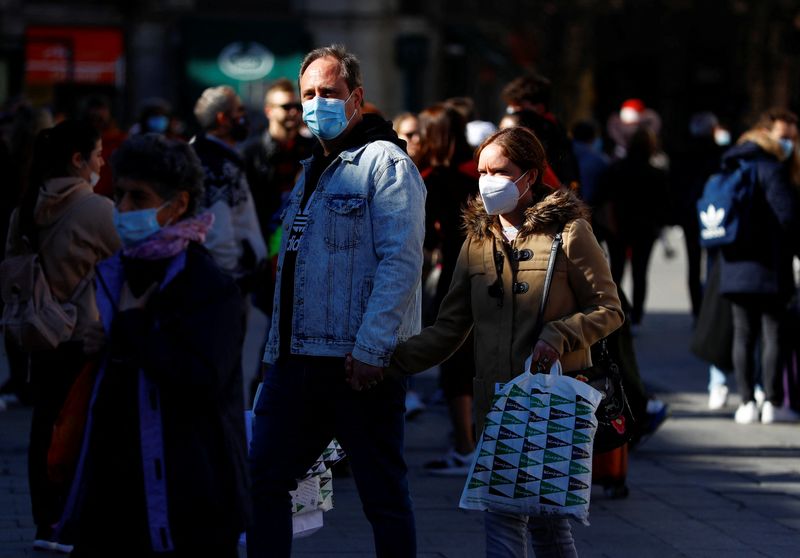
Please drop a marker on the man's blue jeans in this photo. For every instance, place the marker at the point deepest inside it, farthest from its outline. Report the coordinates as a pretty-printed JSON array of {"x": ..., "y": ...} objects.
[{"x": 304, "y": 402}]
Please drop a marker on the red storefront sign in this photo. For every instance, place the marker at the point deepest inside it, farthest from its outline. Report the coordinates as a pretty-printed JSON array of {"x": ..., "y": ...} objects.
[{"x": 73, "y": 54}]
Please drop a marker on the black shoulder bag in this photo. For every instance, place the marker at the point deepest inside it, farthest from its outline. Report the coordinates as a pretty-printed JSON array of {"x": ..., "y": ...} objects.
[{"x": 616, "y": 424}]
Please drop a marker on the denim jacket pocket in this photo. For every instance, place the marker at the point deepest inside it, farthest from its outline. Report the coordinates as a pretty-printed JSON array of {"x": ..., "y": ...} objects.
[{"x": 344, "y": 221}]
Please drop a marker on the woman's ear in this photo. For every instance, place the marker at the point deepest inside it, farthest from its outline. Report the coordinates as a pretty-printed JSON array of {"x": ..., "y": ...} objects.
[{"x": 77, "y": 160}]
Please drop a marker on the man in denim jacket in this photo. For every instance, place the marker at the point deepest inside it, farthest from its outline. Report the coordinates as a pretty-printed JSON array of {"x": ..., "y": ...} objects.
[{"x": 348, "y": 282}]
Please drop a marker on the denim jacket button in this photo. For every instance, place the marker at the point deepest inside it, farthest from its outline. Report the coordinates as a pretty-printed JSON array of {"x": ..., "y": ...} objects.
[{"x": 520, "y": 288}]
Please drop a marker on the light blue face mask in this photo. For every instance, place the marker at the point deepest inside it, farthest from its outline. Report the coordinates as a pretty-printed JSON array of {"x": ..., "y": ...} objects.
[
  {"x": 134, "y": 226},
  {"x": 325, "y": 117},
  {"x": 787, "y": 147},
  {"x": 158, "y": 123}
]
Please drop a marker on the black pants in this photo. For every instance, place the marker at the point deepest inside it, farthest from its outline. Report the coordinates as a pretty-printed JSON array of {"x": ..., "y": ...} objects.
[
  {"x": 641, "y": 246},
  {"x": 52, "y": 374},
  {"x": 755, "y": 316}
]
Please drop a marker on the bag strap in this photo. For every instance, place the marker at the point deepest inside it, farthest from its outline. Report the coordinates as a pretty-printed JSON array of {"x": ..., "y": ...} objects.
[{"x": 548, "y": 279}]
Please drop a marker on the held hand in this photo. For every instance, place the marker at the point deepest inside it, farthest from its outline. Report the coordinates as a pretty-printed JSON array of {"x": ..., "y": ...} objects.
[
  {"x": 544, "y": 355},
  {"x": 94, "y": 338},
  {"x": 129, "y": 302},
  {"x": 360, "y": 375}
]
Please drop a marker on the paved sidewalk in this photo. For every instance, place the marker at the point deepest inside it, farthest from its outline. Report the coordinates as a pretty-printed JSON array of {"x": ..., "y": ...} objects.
[{"x": 701, "y": 487}]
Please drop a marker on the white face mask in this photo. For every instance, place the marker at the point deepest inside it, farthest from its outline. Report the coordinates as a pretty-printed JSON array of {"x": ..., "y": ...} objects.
[
  {"x": 94, "y": 178},
  {"x": 500, "y": 195}
]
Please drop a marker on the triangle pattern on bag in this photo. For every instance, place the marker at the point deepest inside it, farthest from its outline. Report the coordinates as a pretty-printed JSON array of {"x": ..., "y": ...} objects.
[
  {"x": 536, "y": 403},
  {"x": 582, "y": 410},
  {"x": 480, "y": 468},
  {"x": 517, "y": 391},
  {"x": 497, "y": 479},
  {"x": 549, "y": 488},
  {"x": 520, "y": 492},
  {"x": 575, "y": 484},
  {"x": 576, "y": 468},
  {"x": 504, "y": 449},
  {"x": 575, "y": 500},
  {"x": 551, "y": 473},
  {"x": 580, "y": 438},
  {"x": 508, "y": 434},
  {"x": 529, "y": 447},
  {"x": 556, "y": 413},
  {"x": 533, "y": 417},
  {"x": 580, "y": 453},
  {"x": 557, "y": 400},
  {"x": 553, "y": 427},
  {"x": 494, "y": 491},
  {"x": 553, "y": 442},
  {"x": 514, "y": 405},
  {"x": 524, "y": 477},
  {"x": 485, "y": 451},
  {"x": 583, "y": 424},
  {"x": 550, "y": 502},
  {"x": 508, "y": 418},
  {"x": 532, "y": 431},
  {"x": 502, "y": 465},
  {"x": 526, "y": 460},
  {"x": 476, "y": 483},
  {"x": 553, "y": 457}
]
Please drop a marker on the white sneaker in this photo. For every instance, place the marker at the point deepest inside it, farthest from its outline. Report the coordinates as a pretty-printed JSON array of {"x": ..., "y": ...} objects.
[
  {"x": 718, "y": 397},
  {"x": 770, "y": 413},
  {"x": 760, "y": 396},
  {"x": 747, "y": 413},
  {"x": 414, "y": 404},
  {"x": 452, "y": 464}
]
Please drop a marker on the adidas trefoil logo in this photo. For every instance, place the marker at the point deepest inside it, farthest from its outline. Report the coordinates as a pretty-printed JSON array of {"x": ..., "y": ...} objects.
[{"x": 712, "y": 219}]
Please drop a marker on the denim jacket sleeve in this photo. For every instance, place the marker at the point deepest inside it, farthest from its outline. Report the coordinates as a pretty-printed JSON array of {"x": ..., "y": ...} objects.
[{"x": 397, "y": 210}]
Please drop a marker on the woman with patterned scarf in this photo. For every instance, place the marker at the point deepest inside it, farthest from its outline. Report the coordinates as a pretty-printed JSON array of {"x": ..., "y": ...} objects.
[{"x": 162, "y": 468}]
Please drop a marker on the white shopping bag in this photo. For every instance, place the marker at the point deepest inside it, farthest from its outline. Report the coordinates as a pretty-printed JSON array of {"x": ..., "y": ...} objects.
[{"x": 535, "y": 453}]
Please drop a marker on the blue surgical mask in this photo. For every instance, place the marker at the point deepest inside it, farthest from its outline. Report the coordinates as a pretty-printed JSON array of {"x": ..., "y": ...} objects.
[
  {"x": 158, "y": 123},
  {"x": 325, "y": 117},
  {"x": 134, "y": 226},
  {"x": 787, "y": 147}
]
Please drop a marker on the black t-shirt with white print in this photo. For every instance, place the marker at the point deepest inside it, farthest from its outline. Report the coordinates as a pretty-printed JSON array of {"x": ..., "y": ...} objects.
[{"x": 371, "y": 128}]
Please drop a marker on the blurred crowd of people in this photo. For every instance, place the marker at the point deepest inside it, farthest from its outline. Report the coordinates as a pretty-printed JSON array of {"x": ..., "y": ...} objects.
[{"x": 163, "y": 311}]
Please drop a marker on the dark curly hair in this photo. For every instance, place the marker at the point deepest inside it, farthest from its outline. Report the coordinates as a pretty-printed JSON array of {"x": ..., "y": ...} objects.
[{"x": 169, "y": 166}]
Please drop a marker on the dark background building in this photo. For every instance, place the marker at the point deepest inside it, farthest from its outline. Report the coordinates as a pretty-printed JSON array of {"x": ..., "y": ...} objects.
[{"x": 733, "y": 57}]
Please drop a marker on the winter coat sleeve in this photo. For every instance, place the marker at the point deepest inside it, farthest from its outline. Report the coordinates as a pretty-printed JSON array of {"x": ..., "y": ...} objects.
[
  {"x": 782, "y": 200},
  {"x": 436, "y": 343},
  {"x": 193, "y": 346},
  {"x": 589, "y": 277}
]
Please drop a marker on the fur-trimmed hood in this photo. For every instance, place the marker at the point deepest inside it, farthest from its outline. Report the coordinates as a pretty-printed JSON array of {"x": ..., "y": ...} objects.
[{"x": 558, "y": 208}]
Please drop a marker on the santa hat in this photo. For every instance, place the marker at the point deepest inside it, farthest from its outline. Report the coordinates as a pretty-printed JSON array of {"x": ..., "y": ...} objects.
[{"x": 631, "y": 111}]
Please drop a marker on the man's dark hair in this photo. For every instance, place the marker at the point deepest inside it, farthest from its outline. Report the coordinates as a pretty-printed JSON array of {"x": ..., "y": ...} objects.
[
  {"x": 533, "y": 88},
  {"x": 772, "y": 115},
  {"x": 167, "y": 165},
  {"x": 349, "y": 66}
]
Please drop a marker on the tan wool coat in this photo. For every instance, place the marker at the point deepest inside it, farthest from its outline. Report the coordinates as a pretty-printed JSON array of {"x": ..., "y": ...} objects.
[{"x": 583, "y": 306}]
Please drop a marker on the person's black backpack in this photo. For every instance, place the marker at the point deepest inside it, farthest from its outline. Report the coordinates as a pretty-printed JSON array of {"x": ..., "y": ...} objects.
[{"x": 723, "y": 209}]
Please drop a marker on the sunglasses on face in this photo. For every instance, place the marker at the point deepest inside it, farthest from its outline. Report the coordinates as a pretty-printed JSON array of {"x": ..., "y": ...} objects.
[{"x": 290, "y": 106}]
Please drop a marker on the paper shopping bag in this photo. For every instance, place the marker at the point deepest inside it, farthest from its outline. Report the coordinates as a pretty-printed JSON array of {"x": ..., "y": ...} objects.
[{"x": 535, "y": 452}]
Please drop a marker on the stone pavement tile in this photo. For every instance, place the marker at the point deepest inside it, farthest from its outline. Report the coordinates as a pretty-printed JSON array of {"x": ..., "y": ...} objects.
[
  {"x": 779, "y": 551},
  {"x": 766, "y": 530},
  {"x": 791, "y": 522},
  {"x": 769, "y": 505},
  {"x": 685, "y": 534}
]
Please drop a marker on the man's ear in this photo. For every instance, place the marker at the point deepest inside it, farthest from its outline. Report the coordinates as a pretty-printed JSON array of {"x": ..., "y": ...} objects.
[
  {"x": 220, "y": 119},
  {"x": 358, "y": 93}
]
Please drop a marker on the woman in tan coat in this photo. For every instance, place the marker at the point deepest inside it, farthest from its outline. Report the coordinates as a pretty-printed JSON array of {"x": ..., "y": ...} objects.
[
  {"x": 497, "y": 288},
  {"x": 72, "y": 229}
]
